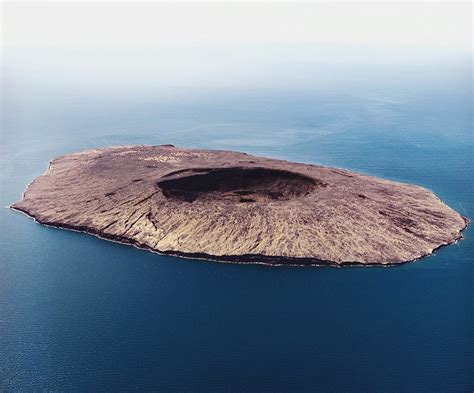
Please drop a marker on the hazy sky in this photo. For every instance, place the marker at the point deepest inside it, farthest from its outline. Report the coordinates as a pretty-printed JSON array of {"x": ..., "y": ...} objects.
[
  {"x": 129, "y": 24},
  {"x": 111, "y": 45}
]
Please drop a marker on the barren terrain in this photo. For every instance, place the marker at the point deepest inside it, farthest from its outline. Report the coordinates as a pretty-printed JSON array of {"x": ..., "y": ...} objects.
[{"x": 230, "y": 206}]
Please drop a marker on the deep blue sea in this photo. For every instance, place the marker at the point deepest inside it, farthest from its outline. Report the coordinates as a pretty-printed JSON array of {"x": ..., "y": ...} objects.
[{"x": 82, "y": 314}]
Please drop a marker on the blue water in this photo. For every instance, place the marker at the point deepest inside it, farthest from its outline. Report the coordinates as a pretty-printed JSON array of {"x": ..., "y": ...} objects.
[{"x": 82, "y": 314}]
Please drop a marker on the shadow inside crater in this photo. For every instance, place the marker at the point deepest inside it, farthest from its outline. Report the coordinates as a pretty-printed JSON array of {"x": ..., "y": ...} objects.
[{"x": 237, "y": 184}]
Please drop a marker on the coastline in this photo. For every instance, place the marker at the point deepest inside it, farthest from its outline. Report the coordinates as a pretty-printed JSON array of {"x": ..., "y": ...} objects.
[{"x": 244, "y": 259}]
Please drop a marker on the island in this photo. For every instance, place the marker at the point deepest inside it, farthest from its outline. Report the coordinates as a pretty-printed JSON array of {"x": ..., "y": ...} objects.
[{"x": 233, "y": 207}]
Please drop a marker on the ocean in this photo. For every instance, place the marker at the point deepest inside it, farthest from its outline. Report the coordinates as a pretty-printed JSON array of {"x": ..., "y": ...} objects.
[{"x": 82, "y": 314}]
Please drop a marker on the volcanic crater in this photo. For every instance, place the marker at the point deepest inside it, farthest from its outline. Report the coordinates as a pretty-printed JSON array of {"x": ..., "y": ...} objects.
[{"x": 238, "y": 184}]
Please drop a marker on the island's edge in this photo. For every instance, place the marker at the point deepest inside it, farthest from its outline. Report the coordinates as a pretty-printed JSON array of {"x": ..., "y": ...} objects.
[{"x": 247, "y": 259}]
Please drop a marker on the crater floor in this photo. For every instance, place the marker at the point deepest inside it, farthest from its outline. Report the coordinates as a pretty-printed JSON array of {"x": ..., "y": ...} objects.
[
  {"x": 241, "y": 184},
  {"x": 230, "y": 206}
]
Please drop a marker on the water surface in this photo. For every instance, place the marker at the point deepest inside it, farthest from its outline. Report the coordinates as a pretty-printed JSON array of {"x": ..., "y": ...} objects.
[{"x": 82, "y": 314}]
